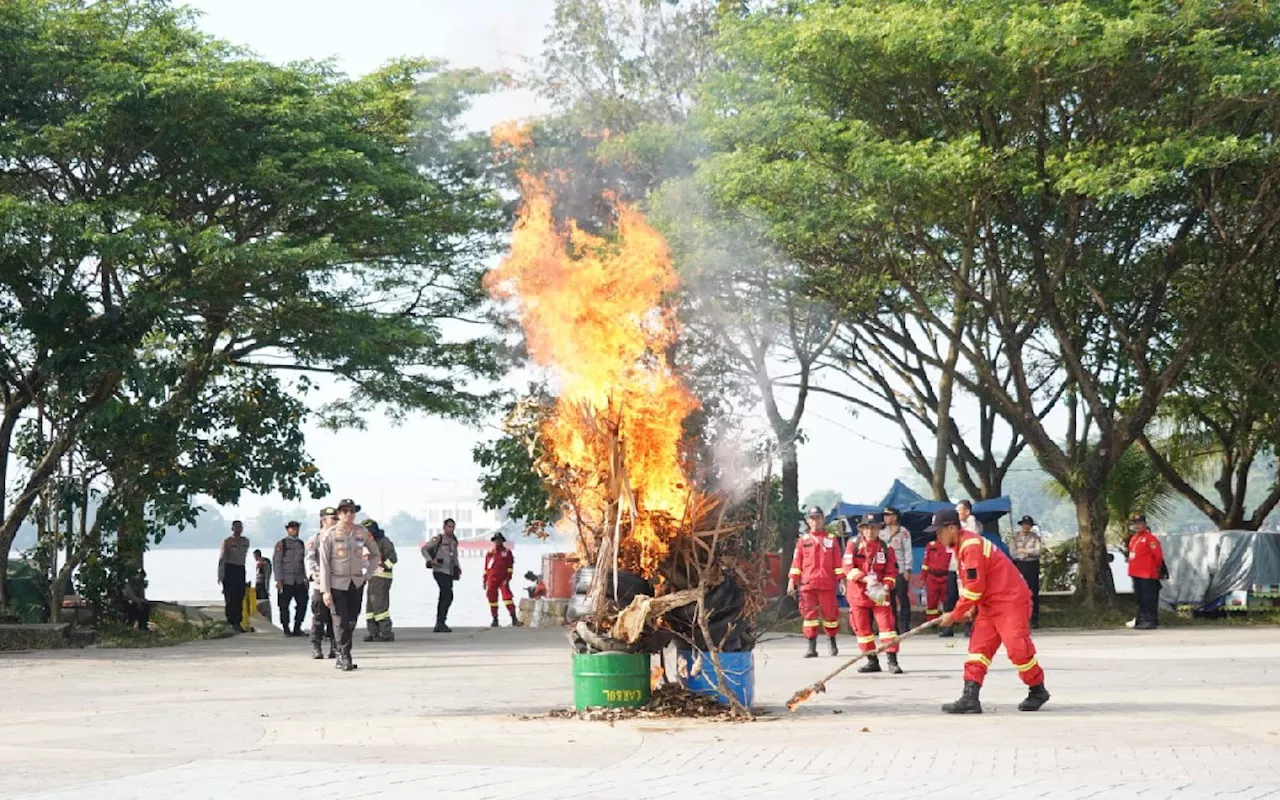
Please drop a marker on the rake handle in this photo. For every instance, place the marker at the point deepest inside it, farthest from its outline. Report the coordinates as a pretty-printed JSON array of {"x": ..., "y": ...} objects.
[{"x": 821, "y": 684}]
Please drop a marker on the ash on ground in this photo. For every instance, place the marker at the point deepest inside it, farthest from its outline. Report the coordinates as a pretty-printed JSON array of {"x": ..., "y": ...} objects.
[{"x": 670, "y": 701}]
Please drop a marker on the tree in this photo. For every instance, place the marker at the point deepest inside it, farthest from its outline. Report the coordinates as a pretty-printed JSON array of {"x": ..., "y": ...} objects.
[
  {"x": 1083, "y": 177},
  {"x": 405, "y": 527},
  {"x": 182, "y": 221},
  {"x": 825, "y": 499},
  {"x": 510, "y": 477},
  {"x": 1223, "y": 416}
]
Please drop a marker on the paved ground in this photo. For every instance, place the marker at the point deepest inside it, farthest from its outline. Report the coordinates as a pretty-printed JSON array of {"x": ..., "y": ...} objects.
[{"x": 1191, "y": 713}]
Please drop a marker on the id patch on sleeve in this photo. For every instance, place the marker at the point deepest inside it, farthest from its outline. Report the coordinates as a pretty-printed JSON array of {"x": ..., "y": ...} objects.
[{"x": 971, "y": 574}]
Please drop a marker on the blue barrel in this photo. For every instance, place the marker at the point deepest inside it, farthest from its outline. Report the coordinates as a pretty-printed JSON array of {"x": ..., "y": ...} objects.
[{"x": 739, "y": 674}]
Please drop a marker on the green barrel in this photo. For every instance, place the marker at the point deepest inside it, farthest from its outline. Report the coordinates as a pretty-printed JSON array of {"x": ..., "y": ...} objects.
[{"x": 610, "y": 680}]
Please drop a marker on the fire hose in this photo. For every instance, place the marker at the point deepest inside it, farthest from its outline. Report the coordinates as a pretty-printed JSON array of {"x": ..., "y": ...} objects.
[{"x": 821, "y": 685}]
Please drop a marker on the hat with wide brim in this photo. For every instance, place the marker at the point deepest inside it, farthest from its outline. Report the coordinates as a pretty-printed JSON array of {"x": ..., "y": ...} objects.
[
  {"x": 497, "y": 537},
  {"x": 328, "y": 511},
  {"x": 293, "y": 523},
  {"x": 942, "y": 519},
  {"x": 347, "y": 502},
  {"x": 371, "y": 526},
  {"x": 1026, "y": 520}
]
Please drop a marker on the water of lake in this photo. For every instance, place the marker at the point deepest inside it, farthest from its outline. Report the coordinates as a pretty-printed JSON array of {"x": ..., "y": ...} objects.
[{"x": 190, "y": 576}]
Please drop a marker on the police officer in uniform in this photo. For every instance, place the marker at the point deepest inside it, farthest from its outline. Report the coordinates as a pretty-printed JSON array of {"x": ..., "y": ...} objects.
[
  {"x": 321, "y": 619},
  {"x": 377, "y": 613},
  {"x": 347, "y": 555}
]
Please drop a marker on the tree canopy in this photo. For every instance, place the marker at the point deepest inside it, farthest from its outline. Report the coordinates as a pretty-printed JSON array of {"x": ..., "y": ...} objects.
[{"x": 185, "y": 226}]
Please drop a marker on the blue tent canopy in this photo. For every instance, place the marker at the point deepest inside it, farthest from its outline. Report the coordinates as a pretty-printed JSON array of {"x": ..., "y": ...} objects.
[{"x": 916, "y": 513}]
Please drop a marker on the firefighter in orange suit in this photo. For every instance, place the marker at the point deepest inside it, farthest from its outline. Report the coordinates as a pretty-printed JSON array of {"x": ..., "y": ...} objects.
[
  {"x": 991, "y": 585},
  {"x": 816, "y": 564},
  {"x": 936, "y": 563},
  {"x": 499, "y": 563},
  {"x": 871, "y": 571}
]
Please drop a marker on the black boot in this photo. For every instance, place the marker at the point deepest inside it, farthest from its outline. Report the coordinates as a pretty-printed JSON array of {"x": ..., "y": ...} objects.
[
  {"x": 494, "y": 624},
  {"x": 812, "y": 652},
  {"x": 1036, "y": 698},
  {"x": 332, "y": 653},
  {"x": 515, "y": 622},
  {"x": 946, "y": 633},
  {"x": 968, "y": 702},
  {"x": 297, "y": 628},
  {"x": 872, "y": 665},
  {"x": 345, "y": 664},
  {"x": 831, "y": 646},
  {"x": 315, "y": 651},
  {"x": 894, "y": 669}
]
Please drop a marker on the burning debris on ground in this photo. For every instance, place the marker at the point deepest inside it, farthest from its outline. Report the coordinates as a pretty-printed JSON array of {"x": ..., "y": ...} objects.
[
  {"x": 664, "y": 565},
  {"x": 670, "y": 701}
]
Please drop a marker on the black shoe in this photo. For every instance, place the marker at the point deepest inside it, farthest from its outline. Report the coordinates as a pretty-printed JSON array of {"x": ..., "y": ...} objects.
[
  {"x": 1035, "y": 624},
  {"x": 288, "y": 633},
  {"x": 831, "y": 646},
  {"x": 388, "y": 637},
  {"x": 494, "y": 624},
  {"x": 515, "y": 623},
  {"x": 872, "y": 665},
  {"x": 332, "y": 654},
  {"x": 1036, "y": 698},
  {"x": 968, "y": 702},
  {"x": 371, "y": 638},
  {"x": 345, "y": 664},
  {"x": 1145, "y": 626},
  {"x": 316, "y": 652},
  {"x": 894, "y": 669},
  {"x": 442, "y": 628},
  {"x": 812, "y": 652},
  {"x": 297, "y": 629},
  {"x": 946, "y": 633}
]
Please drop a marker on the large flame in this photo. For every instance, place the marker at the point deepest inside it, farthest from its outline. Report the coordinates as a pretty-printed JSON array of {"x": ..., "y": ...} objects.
[{"x": 592, "y": 313}]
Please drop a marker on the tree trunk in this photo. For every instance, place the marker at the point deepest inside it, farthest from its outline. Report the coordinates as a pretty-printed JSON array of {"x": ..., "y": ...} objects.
[
  {"x": 1094, "y": 586},
  {"x": 789, "y": 525}
]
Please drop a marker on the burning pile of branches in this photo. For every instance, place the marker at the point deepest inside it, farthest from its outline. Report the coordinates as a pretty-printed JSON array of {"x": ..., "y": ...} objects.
[{"x": 591, "y": 307}]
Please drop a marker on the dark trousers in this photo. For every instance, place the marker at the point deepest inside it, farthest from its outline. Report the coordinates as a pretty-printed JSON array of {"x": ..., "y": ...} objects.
[
  {"x": 233, "y": 593},
  {"x": 1146, "y": 592},
  {"x": 900, "y": 602},
  {"x": 953, "y": 595},
  {"x": 297, "y": 594},
  {"x": 1031, "y": 574},
  {"x": 321, "y": 619},
  {"x": 377, "y": 615},
  {"x": 137, "y": 613},
  {"x": 953, "y": 592},
  {"x": 346, "y": 609},
  {"x": 445, "y": 582}
]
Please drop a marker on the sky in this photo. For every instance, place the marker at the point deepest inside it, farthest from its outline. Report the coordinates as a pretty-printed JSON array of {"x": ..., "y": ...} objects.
[{"x": 391, "y": 468}]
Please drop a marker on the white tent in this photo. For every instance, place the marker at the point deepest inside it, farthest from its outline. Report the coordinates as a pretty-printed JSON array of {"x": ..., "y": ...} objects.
[{"x": 1205, "y": 568}]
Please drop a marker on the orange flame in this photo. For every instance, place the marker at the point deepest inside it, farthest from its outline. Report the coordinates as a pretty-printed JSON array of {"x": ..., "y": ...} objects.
[{"x": 592, "y": 313}]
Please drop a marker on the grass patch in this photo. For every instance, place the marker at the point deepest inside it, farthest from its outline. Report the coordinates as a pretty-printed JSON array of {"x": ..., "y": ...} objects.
[{"x": 165, "y": 631}]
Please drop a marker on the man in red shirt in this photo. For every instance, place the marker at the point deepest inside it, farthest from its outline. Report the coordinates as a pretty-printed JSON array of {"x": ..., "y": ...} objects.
[
  {"x": 992, "y": 586},
  {"x": 935, "y": 565},
  {"x": 816, "y": 566},
  {"x": 498, "y": 565},
  {"x": 871, "y": 571},
  {"x": 1146, "y": 562}
]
